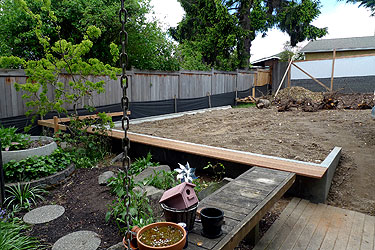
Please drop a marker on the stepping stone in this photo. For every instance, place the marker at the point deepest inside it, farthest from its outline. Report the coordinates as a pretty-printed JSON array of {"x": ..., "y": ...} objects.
[
  {"x": 80, "y": 240},
  {"x": 43, "y": 214},
  {"x": 104, "y": 177}
]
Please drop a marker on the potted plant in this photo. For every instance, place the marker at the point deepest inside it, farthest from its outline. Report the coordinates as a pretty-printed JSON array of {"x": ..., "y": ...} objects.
[
  {"x": 16, "y": 146},
  {"x": 161, "y": 235}
]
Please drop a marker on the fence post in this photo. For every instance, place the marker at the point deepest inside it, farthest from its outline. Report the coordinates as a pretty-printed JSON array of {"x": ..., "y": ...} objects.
[
  {"x": 2, "y": 184},
  {"x": 333, "y": 68},
  {"x": 212, "y": 78},
  {"x": 209, "y": 99},
  {"x": 175, "y": 104}
]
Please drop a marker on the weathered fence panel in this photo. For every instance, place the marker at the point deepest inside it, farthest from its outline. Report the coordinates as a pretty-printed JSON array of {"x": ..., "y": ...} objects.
[{"x": 143, "y": 86}]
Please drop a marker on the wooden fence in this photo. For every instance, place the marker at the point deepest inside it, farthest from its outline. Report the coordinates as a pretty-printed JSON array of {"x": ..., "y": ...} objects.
[{"x": 144, "y": 86}]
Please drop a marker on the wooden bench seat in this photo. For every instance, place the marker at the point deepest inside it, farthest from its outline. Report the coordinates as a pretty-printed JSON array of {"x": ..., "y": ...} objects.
[{"x": 245, "y": 200}]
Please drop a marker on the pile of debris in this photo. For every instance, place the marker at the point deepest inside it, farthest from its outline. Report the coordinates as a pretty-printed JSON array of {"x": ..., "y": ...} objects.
[{"x": 308, "y": 101}]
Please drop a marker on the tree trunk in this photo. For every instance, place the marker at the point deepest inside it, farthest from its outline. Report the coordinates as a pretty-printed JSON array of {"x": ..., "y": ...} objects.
[{"x": 244, "y": 42}]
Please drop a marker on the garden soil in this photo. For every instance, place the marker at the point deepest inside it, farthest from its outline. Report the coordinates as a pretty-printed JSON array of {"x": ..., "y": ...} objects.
[
  {"x": 304, "y": 136},
  {"x": 85, "y": 203}
]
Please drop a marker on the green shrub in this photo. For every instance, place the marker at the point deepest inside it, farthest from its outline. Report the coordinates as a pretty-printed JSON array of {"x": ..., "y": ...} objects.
[
  {"x": 139, "y": 207},
  {"x": 36, "y": 167},
  {"x": 12, "y": 236},
  {"x": 11, "y": 140},
  {"x": 141, "y": 164},
  {"x": 161, "y": 180}
]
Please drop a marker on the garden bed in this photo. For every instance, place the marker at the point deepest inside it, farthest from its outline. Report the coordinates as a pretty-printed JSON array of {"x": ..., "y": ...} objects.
[{"x": 294, "y": 135}]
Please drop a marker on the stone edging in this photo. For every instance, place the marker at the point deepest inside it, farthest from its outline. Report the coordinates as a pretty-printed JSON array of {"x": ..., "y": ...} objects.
[
  {"x": 24, "y": 153},
  {"x": 49, "y": 180}
]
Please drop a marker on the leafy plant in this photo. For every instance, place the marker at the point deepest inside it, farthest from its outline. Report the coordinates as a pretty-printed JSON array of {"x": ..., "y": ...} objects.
[
  {"x": 218, "y": 169},
  {"x": 87, "y": 148},
  {"x": 200, "y": 184},
  {"x": 139, "y": 206},
  {"x": 161, "y": 180},
  {"x": 11, "y": 140},
  {"x": 12, "y": 236},
  {"x": 22, "y": 197},
  {"x": 36, "y": 167},
  {"x": 141, "y": 164}
]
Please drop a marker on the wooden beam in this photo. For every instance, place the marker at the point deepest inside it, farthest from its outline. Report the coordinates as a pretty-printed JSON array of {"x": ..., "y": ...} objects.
[
  {"x": 333, "y": 68},
  {"x": 316, "y": 80},
  {"x": 49, "y": 124},
  {"x": 289, "y": 76},
  {"x": 300, "y": 168},
  {"x": 278, "y": 89}
]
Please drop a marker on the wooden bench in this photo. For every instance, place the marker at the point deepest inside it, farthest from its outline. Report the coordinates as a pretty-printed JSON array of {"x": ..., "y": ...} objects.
[{"x": 244, "y": 201}]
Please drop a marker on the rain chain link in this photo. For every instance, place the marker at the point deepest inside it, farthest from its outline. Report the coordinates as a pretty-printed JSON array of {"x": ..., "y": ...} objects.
[{"x": 125, "y": 119}]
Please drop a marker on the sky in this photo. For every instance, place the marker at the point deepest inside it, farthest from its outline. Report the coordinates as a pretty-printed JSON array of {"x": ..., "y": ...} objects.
[{"x": 342, "y": 20}]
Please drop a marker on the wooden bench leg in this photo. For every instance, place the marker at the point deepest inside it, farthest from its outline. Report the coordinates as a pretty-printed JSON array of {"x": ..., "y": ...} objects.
[{"x": 253, "y": 236}]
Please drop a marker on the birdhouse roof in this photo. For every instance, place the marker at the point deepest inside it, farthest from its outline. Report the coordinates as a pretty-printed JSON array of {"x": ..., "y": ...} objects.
[{"x": 179, "y": 189}]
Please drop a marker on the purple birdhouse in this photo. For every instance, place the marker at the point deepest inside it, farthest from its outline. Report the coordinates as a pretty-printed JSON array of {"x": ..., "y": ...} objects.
[{"x": 181, "y": 196}]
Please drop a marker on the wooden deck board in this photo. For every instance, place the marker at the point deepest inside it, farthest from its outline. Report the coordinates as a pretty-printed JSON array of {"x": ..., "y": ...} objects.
[
  {"x": 277, "y": 225},
  {"x": 252, "y": 204},
  {"x": 319, "y": 227}
]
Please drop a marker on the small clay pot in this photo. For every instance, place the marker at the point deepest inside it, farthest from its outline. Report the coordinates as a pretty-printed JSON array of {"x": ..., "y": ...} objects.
[
  {"x": 132, "y": 235},
  {"x": 212, "y": 219},
  {"x": 177, "y": 246}
]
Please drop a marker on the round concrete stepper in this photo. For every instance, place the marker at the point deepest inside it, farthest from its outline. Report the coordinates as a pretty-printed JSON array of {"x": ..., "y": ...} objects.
[
  {"x": 80, "y": 240},
  {"x": 43, "y": 214}
]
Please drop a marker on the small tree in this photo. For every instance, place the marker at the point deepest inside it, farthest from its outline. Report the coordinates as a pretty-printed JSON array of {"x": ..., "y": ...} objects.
[{"x": 63, "y": 57}]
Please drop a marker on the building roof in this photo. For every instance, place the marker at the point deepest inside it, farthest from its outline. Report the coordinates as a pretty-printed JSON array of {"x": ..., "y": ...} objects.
[
  {"x": 340, "y": 44},
  {"x": 273, "y": 57}
]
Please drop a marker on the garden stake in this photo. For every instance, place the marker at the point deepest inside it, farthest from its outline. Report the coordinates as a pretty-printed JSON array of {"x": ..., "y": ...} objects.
[
  {"x": 2, "y": 188},
  {"x": 125, "y": 119}
]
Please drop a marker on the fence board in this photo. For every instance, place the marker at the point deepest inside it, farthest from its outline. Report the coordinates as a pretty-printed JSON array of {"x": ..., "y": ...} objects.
[{"x": 143, "y": 86}]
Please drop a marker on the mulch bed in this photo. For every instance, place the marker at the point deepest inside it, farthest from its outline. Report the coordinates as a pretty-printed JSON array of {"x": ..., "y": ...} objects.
[{"x": 85, "y": 203}]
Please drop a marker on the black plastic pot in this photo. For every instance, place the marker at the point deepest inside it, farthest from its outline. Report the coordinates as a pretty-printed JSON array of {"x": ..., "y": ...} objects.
[{"x": 212, "y": 220}]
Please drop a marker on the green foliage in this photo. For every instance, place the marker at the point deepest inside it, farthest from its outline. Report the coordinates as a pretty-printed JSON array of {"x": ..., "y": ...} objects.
[
  {"x": 11, "y": 62},
  {"x": 208, "y": 34},
  {"x": 161, "y": 180},
  {"x": 295, "y": 19},
  {"x": 147, "y": 46},
  {"x": 218, "y": 170},
  {"x": 59, "y": 56},
  {"x": 11, "y": 140},
  {"x": 244, "y": 105},
  {"x": 139, "y": 206},
  {"x": 200, "y": 184},
  {"x": 36, "y": 167},
  {"x": 12, "y": 236},
  {"x": 87, "y": 149},
  {"x": 141, "y": 164},
  {"x": 22, "y": 197},
  {"x": 364, "y": 3}
]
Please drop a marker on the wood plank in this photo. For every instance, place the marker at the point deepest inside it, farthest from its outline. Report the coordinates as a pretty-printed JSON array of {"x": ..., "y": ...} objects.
[
  {"x": 337, "y": 220},
  {"x": 321, "y": 230},
  {"x": 299, "y": 226},
  {"x": 231, "y": 240},
  {"x": 356, "y": 232},
  {"x": 3, "y": 100},
  {"x": 367, "y": 242},
  {"x": 288, "y": 225},
  {"x": 207, "y": 202},
  {"x": 344, "y": 232},
  {"x": 236, "y": 156},
  {"x": 310, "y": 227},
  {"x": 277, "y": 225}
]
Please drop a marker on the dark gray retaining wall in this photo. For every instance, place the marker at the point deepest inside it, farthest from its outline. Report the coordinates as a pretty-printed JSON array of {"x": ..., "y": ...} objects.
[
  {"x": 49, "y": 180},
  {"x": 358, "y": 84}
]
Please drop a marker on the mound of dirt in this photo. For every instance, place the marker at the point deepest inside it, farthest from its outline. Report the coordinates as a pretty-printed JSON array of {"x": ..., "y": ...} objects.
[{"x": 299, "y": 95}]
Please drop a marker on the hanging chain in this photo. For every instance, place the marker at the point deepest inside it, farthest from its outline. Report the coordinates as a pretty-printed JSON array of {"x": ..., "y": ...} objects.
[{"x": 125, "y": 119}]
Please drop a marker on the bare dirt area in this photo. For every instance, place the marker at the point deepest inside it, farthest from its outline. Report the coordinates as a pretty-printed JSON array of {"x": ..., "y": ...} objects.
[{"x": 305, "y": 136}]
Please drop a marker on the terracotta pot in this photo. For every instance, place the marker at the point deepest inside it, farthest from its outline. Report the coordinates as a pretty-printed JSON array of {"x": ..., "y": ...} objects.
[
  {"x": 177, "y": 246},
  {"x": 133, "y": 238}
]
